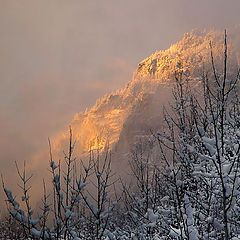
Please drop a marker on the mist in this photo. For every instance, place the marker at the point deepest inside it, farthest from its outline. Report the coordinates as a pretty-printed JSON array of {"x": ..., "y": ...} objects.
[{"x": 58, "y": 57}]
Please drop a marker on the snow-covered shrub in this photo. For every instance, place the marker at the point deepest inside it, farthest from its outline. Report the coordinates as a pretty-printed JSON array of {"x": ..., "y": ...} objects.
[
  {"x": 201, "y": 151},
  {"x": 77, "y": 210}
]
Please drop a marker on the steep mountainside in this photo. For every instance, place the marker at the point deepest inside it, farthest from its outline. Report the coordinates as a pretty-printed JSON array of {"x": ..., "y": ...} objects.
[{"x": 119, "y": 118}]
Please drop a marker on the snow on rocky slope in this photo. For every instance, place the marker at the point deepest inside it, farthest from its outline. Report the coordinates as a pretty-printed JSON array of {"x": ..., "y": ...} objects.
[{"x": 119, "y": 118}]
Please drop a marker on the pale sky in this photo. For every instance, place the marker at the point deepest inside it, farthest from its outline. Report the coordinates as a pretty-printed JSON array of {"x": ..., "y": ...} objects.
[{"x": 58, "y": 56}]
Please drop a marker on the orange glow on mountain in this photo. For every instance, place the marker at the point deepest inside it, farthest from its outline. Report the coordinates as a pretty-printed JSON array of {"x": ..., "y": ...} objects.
[{"x": 104, "y": 123}]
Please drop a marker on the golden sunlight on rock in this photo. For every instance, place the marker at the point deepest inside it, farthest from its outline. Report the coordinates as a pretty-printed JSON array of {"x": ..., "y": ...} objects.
[{"x": 106, "y": 121}]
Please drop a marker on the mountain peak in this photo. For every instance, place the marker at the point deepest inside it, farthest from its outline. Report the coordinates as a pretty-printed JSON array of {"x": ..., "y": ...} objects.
[
  {"x": 106, "y": 122},
  {"x": 192, "y": 51}
]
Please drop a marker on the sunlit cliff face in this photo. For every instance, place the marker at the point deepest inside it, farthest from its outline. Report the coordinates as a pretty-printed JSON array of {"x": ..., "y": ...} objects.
[{"x": 103, "y": 124}]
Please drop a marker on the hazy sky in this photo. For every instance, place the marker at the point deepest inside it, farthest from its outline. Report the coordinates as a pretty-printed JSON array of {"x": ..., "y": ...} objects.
[{"x": 58, "y": 56}]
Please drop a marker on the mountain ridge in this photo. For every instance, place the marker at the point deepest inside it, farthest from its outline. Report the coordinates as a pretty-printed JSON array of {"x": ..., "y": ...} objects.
[{"x": 105, "y": 123}]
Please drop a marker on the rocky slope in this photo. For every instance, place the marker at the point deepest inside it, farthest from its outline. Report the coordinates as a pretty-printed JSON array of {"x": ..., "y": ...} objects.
[{"x": 118, "y": 119}]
